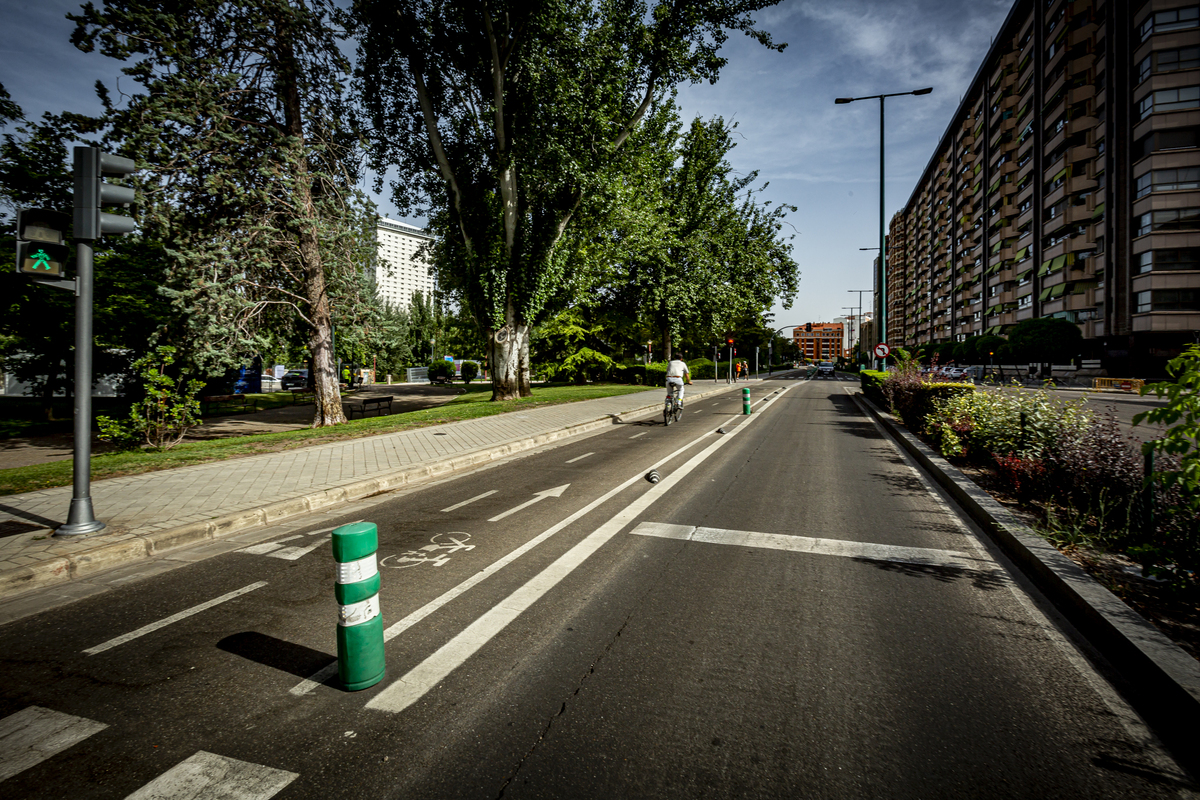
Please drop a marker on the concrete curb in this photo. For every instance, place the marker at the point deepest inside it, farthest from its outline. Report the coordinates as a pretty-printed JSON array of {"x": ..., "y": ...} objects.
[
  {"x": 1164, "y": 680},
  {"x": 105, "y": 556}
]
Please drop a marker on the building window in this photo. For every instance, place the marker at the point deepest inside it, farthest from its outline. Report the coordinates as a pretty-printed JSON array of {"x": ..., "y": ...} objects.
[
  {"x": 1168, "y": 180},
  {"x": 1168, "y": 61},
  {"x": 1169, "y": 100},
  {"x": 1183, "y": 258},
  {"x": 1141, "y": 302},
  {"x": 1172, "y": 219},
  {"x": 1177, "y": 19},
  {"x": 1169, "y": 300}
]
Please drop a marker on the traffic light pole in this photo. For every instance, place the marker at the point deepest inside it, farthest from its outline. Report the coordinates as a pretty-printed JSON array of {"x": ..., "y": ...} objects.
[{"x": 81, "y": 520}]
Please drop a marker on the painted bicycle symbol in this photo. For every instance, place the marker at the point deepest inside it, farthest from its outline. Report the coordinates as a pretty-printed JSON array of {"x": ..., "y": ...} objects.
[{"x": 441, "y": 546}]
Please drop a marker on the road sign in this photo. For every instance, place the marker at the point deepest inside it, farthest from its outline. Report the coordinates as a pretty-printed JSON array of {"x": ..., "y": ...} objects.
[{"x": 882, "y": 350}]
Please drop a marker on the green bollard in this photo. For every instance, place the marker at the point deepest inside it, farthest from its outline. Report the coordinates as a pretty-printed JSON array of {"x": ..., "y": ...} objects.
[
  {"x": 360, "y": 626},
  {"x": 745, "y": 401}
]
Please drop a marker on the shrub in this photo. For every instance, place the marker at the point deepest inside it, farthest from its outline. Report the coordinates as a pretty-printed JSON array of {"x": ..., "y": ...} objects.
[
  {"x": 871, "y": 382},
  {"x": 702, "y": 368},
  {"x": 441, "y": 369},
  {"x": 164, "y": 416},
  {"x": 469, "y": 372}
]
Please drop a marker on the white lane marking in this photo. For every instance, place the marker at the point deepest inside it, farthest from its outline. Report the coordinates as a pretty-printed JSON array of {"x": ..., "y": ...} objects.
[
  {"x": 208, "y": 775},
  {"x": 636, "y": 435},
  {"x": 579, "y": 458},
  {"x": 468, "y": 502},
  {"x": 329, "y": 670},
  {"x": 803, "y": 544},
  {"x": 162, "y": 623},
  {"x": 31, "y": 735},
  {"x": 268, "y": 547},
  {"x": 1126, "y": 716},
  {"x": 402, "y": 693},
  {"x": 293, "y": 553},
  {"x": 537, "y": 497}
]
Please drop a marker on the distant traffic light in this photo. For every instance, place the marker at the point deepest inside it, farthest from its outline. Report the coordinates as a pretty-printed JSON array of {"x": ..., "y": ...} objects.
[
  {"x": 729, "y": 340},
  {"x": 808, "y": 327},
  {"x": 41, "y": 242},
  {"x": 92, "y": 193}
]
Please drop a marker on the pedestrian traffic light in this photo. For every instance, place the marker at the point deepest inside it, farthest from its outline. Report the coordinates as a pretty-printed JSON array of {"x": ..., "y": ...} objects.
[
  {"x": 41, "y": 242},
  {"x": 92, "y": 193}
]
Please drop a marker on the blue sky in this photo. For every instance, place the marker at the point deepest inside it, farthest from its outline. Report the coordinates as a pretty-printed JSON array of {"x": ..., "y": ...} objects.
[{"x": 822, "y": 158}]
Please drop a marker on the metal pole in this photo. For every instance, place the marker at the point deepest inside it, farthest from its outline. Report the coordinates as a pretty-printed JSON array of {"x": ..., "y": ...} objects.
[
  {"x": 81, "y": 520},
  {"x": 730, "y": 378},
  {"x": 882, "y": 239}
]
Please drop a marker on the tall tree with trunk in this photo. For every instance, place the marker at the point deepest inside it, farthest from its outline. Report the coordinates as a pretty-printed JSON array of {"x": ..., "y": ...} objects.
[
  {"x": 502, "y": 119},
  {"x": 251, "y": 163},
  {"x": 689, "y": 247}
]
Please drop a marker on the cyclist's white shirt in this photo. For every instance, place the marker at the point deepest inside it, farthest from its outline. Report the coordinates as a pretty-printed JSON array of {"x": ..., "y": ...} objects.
[{"x": 677, "y": 369}]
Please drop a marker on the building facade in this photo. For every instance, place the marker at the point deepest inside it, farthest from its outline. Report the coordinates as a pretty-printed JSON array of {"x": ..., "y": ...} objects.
[
  {"x": 1067, "y": 185},
  {"x": 401, "y": 270},
  {"x": 825, "y": 342}
]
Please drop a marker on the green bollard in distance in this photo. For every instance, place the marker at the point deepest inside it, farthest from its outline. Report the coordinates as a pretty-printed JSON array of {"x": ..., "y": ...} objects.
[
  {"x": 360, "y": 625},
  {"x": 745, "y": 401}
]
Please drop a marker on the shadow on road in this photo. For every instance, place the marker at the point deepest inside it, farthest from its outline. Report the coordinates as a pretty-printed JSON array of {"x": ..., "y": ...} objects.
[
  {"x": 987, "y": 580},
  {"x": 287, "y": 657}
]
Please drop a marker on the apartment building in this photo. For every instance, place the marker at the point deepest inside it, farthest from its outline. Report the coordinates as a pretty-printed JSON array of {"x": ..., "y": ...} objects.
[
  {"x": 1067, "y": 185},
  {"x": 401, "y": 271},
  {"x": 820, "y": 341}
]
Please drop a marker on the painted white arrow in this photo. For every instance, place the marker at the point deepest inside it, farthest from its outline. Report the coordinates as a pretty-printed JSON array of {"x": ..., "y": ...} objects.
[{"x": 555, "y": 492}]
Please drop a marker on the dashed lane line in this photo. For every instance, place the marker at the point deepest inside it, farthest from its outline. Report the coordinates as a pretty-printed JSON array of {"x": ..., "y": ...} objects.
[
  {"x": 579, "y": 458},
  {"x": 162, "y": 623},
  {"x": 469, "y": 501}
]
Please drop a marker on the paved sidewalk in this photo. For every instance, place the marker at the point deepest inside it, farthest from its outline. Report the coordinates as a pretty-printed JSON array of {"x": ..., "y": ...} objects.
[{"x": 152, "y": 513}]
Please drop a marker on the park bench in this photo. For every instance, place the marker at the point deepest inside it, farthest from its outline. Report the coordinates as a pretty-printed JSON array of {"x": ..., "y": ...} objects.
[
  {"x": 368, "y": 403},
  {"x": 302, "y": 395},
  {"x": 212, "y": 402}
]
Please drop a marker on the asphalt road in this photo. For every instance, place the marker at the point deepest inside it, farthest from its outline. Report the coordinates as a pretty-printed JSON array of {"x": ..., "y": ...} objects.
[{"x": 790, "y": 612}]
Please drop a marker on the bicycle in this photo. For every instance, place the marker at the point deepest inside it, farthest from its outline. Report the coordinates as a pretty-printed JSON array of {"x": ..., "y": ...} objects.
[{"x": 672, "y": 409}]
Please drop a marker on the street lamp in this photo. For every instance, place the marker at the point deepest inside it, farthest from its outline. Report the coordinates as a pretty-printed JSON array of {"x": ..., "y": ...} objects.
[
  {"x": 852, "y": 320},
  {"x": 860, "y": 293},
  {"x": 882, "y": 220}
]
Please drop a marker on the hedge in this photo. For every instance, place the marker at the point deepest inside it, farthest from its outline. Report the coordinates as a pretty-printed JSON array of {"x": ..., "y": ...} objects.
[{"x": 871, "y": 382}]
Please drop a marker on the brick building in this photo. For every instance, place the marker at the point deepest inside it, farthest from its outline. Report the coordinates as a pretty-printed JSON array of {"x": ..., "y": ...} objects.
[{"x": 824, "y": 342}]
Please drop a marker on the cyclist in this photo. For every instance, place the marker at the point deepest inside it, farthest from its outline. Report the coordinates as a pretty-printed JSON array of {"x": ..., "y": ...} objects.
[{"x": 678, "y": 374}]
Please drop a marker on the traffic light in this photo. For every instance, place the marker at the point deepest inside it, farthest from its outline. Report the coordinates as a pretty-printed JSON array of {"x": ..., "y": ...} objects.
[
  {"x": 808, "y": 327},
  {"x": 729, "y": 340},
  {"x": 41, "y": 242},
  {"x": 92, "y": 193}
]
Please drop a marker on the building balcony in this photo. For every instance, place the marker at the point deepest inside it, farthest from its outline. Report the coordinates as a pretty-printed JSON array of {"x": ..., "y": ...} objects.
[
  {"x": 1081, "y": 153},
  {"x": 1084, "y": 33},
  {"x": 1053, "y": 88},
  {"x": 1080, "y": 183},
  {"x": 1081, "y": 64},
  {"x": 1055, "y": 138},
  {"x": 1084, "y": 123},
  {"x": 1081, "y": 93}
]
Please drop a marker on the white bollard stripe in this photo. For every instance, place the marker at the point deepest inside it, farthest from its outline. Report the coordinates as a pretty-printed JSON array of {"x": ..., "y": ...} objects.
[
  {"x": 211, "y": 775},
  {"x": 355, "y": 571},
  {"x": 30, "y": 736},
  {"x": 358, "y": 613}
]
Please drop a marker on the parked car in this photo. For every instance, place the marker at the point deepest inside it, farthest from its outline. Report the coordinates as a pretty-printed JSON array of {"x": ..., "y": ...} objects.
[{"x": 295, "y": 379}]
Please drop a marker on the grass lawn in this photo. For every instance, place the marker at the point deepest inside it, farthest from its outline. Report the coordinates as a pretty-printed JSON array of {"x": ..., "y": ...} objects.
[{"x": 469, "y": 405}]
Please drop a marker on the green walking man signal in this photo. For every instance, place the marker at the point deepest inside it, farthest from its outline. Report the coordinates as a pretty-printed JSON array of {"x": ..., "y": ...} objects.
[{"x": 41, "y": 242}]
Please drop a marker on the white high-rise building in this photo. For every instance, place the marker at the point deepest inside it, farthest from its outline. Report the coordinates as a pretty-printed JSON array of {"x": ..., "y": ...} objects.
[{"x": 401, "y": 272}]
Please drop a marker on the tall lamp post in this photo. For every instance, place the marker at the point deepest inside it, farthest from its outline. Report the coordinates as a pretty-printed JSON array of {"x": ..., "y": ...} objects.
[
  {"x": 860, "y": 293},
  {"x": 852, "y": 321},
  {"x": 882, "y": 220}
]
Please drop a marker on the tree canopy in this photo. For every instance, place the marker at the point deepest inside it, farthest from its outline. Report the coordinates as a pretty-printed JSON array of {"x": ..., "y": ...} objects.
[{"x": 504, "y": 121}]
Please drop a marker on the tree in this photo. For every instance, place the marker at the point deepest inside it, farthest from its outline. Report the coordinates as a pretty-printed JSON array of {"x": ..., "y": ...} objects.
[
  {"x": 37, "y": 322},
  {"x": 691, "y": 248},
  {"x": 1045, "y": 339},
  {"x": 251, "y": 160},
  {"x": 504, "y": 120}
]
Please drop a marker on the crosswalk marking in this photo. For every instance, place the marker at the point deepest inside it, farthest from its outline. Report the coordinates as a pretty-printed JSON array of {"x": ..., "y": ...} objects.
[
  {"x": 293, "y": 553},
  {"x": 468, "y": 502},
  {"x": 803, "y": 544},
  {"x": 264, "y": 548},
  {"x": 162, "y": 623},
  {"x": 30, "y": 736},
  {"x": 213, "y": 777}
]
